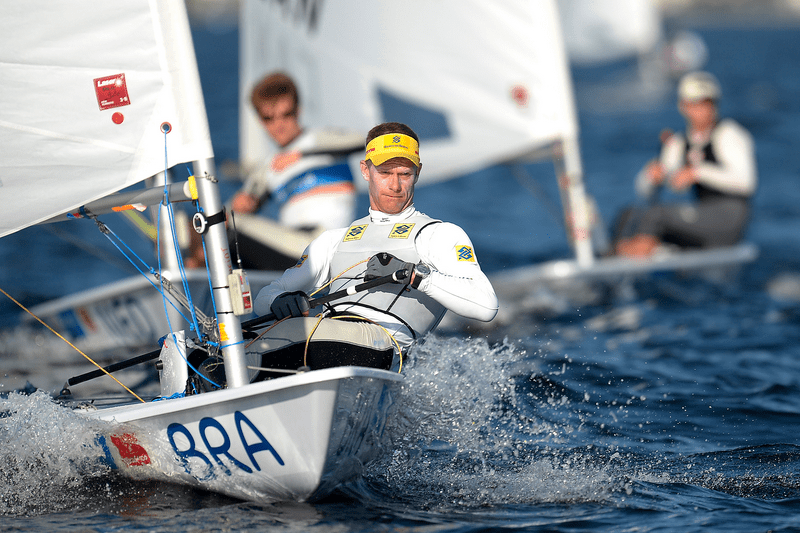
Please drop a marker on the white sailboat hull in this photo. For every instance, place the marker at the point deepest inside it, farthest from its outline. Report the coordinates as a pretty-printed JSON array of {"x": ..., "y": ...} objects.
[
  {"x": 556, "y": 287},
  {"x": 617, "y": 267},
  {"x": 293, "y": 438}
]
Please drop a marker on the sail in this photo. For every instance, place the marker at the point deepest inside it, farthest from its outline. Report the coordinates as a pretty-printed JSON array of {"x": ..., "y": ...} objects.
[
  {"x": 85, "y": 87},
  {"x": 480, "y": 82},
  {"x": 600, "y": 31}
]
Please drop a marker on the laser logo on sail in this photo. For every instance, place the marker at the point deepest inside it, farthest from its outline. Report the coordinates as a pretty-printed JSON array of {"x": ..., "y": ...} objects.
[{"x": 111, "y": 91}]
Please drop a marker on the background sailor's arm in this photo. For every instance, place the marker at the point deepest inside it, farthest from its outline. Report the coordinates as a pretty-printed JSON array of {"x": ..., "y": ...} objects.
[
  {"x": 310, "y": 272},
  {"x": 735, "y": 169},
  {"x": 253, "y": 193},
  {"x": 670, "y": 159},
  {"x": 456, "y": 280}
]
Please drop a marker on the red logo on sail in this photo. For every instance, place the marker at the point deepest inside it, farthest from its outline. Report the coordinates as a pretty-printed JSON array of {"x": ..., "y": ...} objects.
[{"x": 111, "y": 91}]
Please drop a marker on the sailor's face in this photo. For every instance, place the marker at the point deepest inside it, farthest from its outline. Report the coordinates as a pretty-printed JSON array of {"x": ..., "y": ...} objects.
[
  {"x": 391, "y": 184},
  {"x": 701, "y": 114},
  {"x": 279, "y": 118}
]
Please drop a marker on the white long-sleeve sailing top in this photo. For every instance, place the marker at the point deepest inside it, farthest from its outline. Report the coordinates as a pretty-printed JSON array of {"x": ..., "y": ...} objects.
[
  {"x": 460, "y": 286},
  {"x": 734, "y": 172}
]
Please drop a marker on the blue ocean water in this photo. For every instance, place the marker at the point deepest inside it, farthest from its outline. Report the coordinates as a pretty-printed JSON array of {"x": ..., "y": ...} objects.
[{"x": 669, "y": 409}]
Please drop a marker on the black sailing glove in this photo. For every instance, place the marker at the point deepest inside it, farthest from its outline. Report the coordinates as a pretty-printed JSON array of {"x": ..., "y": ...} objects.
[
  {"x": 290, "y": 304},
  {"x": 385, "y": 264}
]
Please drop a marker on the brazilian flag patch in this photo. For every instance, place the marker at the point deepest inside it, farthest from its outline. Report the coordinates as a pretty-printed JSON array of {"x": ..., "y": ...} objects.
[
  {"x": 300, "y": 261},
  {"x": 401, "y": 231},
  {"x": 465, "y": 253},
  {"x": 355, "y": 233}
]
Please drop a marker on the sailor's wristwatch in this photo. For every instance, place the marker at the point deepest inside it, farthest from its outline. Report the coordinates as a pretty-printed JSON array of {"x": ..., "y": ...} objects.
[{"x": 421, "y": 271}]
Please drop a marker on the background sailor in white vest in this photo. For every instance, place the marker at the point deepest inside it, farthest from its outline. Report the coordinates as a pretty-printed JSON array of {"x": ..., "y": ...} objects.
[
  {"x": 445, "y": 273},
  {"x": 714, "y": 161}
]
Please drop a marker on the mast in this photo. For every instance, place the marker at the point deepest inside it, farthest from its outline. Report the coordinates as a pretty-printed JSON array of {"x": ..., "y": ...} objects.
[
  {"x": 219, "y": 264},
  {"x": 569, "y": 170}
]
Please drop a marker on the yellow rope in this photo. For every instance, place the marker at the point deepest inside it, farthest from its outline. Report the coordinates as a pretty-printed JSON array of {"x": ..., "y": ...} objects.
[
  {"x": 337, "y": 276},
  {"x": 321, "y": 316},
  {"x": 76, "y": 349},
  {"x": 308, "y": 340}
]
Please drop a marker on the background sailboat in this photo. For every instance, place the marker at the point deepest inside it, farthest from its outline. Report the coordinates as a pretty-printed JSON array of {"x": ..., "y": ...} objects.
[{"x": 482, "y": 83}]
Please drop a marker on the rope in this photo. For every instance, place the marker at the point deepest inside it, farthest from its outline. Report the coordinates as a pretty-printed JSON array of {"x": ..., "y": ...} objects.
[
  {"x": 181, "y": 269},
  {"x": 105, "y": 230},
  {"x": 73, "y": 346},
  {"x": 322, "y": 316},
  {"x": 339, "y": 275}
]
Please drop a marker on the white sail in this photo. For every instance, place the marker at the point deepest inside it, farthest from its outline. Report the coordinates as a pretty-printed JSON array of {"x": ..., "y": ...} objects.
[
  {"x": 84, "y": 88},
  {"x": 598, "y": 31},
  {"x": 481, "y": 82}
]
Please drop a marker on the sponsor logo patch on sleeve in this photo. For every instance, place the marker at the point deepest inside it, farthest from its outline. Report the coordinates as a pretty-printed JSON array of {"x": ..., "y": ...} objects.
[
  {"x": 465, "y": 253},
  {"x": 355, "y": 233},
  {"x": 401, "y": 231},
  {"x": 300, "y": 261}
]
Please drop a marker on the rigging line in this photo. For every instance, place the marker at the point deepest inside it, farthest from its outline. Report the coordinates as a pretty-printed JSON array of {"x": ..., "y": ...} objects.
[
  {"x": 181, "y": 266},
  {"x": 171, "y": 219},
  {"x": 105, "y": 230},
  {"x": 199, "y": 209},
  {"x": 308, "y": 340},
  {"x": 75, "y": 347},
  {"x": 210, "y": 284},
  {"x": 211, "y": 290},
  {"x": 524, "y": 178},
  {"x": 263, "y": 332},
  {"x": 182, "y": 271},
  {"x": 188, "y": 304},
  {"x": 337, "y": 276}
]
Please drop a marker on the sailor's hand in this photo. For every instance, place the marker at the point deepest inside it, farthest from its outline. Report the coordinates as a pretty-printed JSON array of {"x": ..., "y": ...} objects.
[
  {"x": 244, "y": 203},
  {"x": 655, "y": 173},
  {"x": 385, "y": 264},
  {"x": 288, "y": 304},
  {"x": 683, "y": 179}
]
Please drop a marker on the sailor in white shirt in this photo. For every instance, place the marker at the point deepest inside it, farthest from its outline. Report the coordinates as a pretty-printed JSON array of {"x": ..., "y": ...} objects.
[
  {"x": 714, "y": 160},
  {"x": 441, "y": 260}
]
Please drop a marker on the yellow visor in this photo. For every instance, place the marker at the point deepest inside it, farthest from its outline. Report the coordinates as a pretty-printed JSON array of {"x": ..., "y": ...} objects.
[{"x": 386, "y": 147}]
